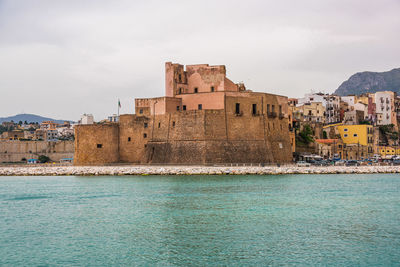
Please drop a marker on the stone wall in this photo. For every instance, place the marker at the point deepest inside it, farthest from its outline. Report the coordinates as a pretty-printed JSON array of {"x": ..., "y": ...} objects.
[
  {"x": 96, "y": 144},
  {"x": 193, "y": 136},
  {"x": 14, "y": 151}
]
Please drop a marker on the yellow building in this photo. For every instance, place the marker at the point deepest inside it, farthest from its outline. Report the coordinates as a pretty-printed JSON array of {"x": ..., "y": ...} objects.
[
  {"x": 388, "y": 151},
  {"x": 313, "y": 112},
  {"x": 360, "y": 135}
]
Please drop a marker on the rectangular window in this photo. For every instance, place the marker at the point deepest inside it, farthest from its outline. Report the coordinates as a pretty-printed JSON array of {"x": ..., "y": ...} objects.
[
  {"x": 144, "y": 135},
  {"x": 345, "y": 129},
  {"x": 237, "y": 108},
  {"x": 280, "y": 109},
  {"x": 173, "y": 124},
  {"x": 273, "y": 109},
  {"x": 355, "y": 135},
  {"x": 180, "y": 78},
  {"x": 254, "y": 110},
  {"x": 345, "y": 135},
  {"x": 140, "y": 111},
  {"x": 99, "y": 145},
  {"x": 212, "y": 89},
  {"x": 177, "y": 108},
  {"x": 129, "y": 139},
  {"x": 159, "y": 124},
  {"x": 196, "y": 90},
  {"x": 145, "y": 125},
  {"x": 200, "y": 106},
  {"x": 267, "y": 108},
  {"x": 184, "y": 107}
]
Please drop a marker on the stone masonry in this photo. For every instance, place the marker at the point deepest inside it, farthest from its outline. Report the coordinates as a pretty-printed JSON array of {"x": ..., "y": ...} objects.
[{"x": 204, "y": 119}]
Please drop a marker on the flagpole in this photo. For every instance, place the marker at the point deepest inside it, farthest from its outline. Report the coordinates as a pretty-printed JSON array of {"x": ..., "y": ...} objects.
[{"x": 119, "y": 105}]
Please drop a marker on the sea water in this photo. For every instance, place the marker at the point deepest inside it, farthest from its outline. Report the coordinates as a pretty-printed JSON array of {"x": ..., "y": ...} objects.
[{"x": 301, "y": 220}]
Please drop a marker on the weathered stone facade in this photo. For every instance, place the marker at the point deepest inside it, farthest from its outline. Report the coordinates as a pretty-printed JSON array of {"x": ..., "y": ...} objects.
[
  {"x": 15, "y": 150},
  {"x": 204, "y": 119}
]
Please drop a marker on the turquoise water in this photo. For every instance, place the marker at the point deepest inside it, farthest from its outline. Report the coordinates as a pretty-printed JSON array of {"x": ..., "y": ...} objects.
[{"x": 302, "y": 220}]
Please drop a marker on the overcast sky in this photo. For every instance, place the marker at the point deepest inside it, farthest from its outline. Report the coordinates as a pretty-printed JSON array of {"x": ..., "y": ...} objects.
[{"x": 65, "y": 58}]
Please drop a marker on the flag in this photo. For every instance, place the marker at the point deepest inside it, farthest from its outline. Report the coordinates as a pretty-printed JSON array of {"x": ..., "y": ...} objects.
[{"x": 119, "y": 103}]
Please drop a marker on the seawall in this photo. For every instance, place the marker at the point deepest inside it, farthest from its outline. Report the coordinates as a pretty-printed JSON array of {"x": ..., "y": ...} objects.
[{"x": 187, "y": 170}]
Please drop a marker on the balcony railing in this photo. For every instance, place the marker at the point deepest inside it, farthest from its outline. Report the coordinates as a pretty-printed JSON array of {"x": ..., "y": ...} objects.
[{"x": 272, "y": 115}]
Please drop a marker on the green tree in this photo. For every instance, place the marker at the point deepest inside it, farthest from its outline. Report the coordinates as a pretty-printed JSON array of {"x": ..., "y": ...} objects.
[
  {"x": 43, "y": 159},
  {"x": 324, "y": 135},
  {"x": 306, "y": 135}
]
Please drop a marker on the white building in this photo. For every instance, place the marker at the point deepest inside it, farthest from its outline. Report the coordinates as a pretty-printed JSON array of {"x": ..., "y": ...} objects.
[
  {"x": 331, "y": 103},
  {"x": 86, "y": 119},
  {"x": 384, "y": 106},
  {"x": 332, "y": 106},
  {"x": 52, "y": 134},
  {"x": 350, "y": 99},
  {"x": 308, "y": 98}
]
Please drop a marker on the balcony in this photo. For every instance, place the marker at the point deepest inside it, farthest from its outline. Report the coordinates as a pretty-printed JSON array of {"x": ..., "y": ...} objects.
[{"x": 272, "y": 115}]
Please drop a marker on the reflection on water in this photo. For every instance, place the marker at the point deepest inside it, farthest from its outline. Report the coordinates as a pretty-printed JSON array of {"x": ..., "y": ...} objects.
[{"x": 201, "y": 220}]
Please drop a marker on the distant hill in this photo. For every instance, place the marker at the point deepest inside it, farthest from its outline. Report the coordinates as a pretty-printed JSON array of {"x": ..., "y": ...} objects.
[
  {"x": 370, "y": 82},
  {"x": 29, "y": 118}
]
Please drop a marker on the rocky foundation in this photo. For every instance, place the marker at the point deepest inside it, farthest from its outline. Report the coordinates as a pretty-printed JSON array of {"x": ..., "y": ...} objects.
[{"x": 188, "y": 170}]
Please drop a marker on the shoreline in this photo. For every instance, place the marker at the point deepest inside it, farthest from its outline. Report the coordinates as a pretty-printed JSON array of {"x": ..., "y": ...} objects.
[{"x": 188, "y": 170}]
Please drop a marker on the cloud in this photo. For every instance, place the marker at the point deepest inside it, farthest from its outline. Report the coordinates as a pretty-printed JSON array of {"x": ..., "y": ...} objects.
[{"x": 65, "y": 58}]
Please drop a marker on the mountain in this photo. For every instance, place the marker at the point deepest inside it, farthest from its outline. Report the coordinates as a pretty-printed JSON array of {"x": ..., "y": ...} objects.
[
  {"x": 370, "y": 82},
  {"x": 29, "y": 118}
]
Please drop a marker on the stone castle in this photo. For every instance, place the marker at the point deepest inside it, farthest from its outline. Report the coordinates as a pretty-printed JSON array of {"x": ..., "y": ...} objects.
[{"x": 204, "y": 118}]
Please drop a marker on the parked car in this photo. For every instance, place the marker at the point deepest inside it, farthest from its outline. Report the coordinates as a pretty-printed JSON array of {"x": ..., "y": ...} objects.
[
  {"x": 352, "y": 163},
  {"x": 303, "y": 164},
  {"x": 340, "y": 163}
]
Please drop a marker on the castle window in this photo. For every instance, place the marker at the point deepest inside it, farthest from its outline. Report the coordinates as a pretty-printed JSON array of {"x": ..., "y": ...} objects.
[
  {"x": 212, "y": 89},
  {"x": 145, "y": 125},
  {"x": 196, "y": 90},
  {"x": 129, "y": 139},
  {"x": 280, "y": 109},
  {"x": 173, "y": 124},
  {"x": 273, "y": 109},
  {"x": 99, "y": 145},
  {"x": 140, "y": 111},
  {"x": 180, "y": 90},
  {"x": 177, "y": 108},
  {"x": 184, "y": 107},
  {"x": 200, "y": 106},
  {"x": 145, "y": 135},
  {"x": 254, "y": 111},
  {"x": 355, "y": 135},
  {"x": 237, "y": 109},
  {"x": 267, "y": 108},
  {"x": 159, "y": 124},
  {"x": 180, "y": 78}
]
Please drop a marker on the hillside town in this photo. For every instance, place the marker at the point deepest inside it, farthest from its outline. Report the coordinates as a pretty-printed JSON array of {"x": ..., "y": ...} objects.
[
  {"x": 347, "y": 127},
  {"x": 322, "y": 128}
]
